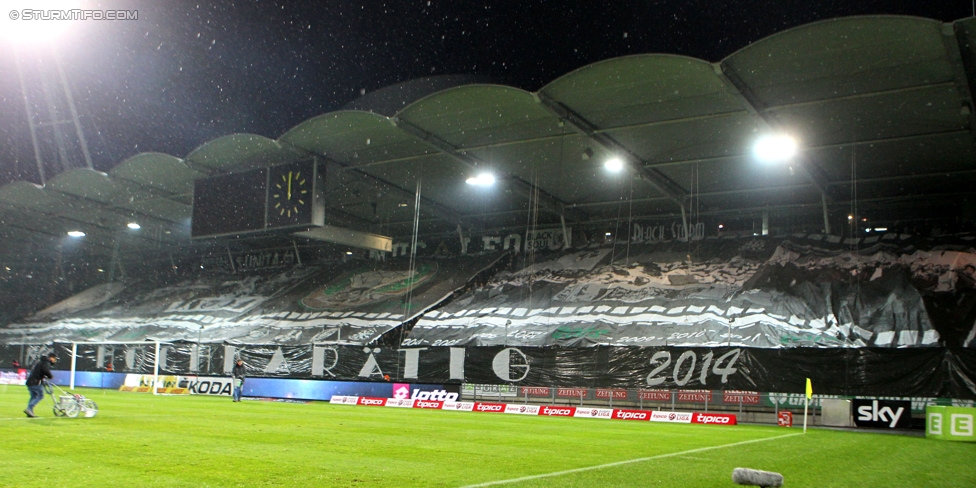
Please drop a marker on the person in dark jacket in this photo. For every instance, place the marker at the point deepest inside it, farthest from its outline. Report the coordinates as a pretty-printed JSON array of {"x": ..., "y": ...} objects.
[
  {"x": 35, "y": 381},
  {"x": 238, "y": 373}
]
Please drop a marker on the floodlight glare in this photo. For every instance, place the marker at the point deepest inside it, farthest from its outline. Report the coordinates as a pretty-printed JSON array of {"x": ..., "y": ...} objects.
[
  {"x": 484, "y": 179},
  {"x": 38, "y": 24},
  {"x": 76, "y": 233},
  {"x": 614, "y": 165},
  {"x": 133, "y": 226},
  {"x": 775, "y": 148}
]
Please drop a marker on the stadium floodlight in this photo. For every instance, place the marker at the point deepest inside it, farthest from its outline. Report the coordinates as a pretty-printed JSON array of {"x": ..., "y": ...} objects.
[
  {"x": 483, "y": 179},
  {"x": 37, "y": 21},
  {"x": 76, "y": 233},
  {"x": 133, "y": 226},
  {"x": 614, "y": 165},
  {"x": 775, "y": 148}
]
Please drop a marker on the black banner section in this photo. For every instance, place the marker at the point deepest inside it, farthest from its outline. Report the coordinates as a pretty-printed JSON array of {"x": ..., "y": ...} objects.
[
  {"x": 882, "y": 414},
  {"x": 930, "y": 372}
]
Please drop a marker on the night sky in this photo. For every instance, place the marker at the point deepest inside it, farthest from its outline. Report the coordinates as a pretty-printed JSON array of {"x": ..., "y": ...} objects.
[{"x": 185, "y": 73}]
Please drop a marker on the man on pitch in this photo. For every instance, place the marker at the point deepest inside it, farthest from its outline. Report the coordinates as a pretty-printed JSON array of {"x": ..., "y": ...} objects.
[
  {"x": 238, "y": 373},
  {"x": 40, "y": 373}
]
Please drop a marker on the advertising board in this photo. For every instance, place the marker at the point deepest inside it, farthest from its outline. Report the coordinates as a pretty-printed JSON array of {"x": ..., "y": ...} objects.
[
  {"x": 713, "y": 418},
  {"x": 518, "y": 409},
  {"x": 672, "y": 417},
  {"x": 432, "y": 404},
  {"x": 882, "y": 414},
  {"x": 571, "y": 392},
  {"x": 489, "y": 407},
  {"x": 372, "y": 401},
  {"x": 344, "y": 400},
  {"x": 621, "y": 414},
  {"x": 654, "y": 395},
  {"x": 741, "y": 397},
  {"x": 593, "y": 413},
  {"x": 399, "y": 402},
  {"x": 557, "y": 411},
  {"x": 950, "y": 423},
  {"x": 458, "y": 406}
]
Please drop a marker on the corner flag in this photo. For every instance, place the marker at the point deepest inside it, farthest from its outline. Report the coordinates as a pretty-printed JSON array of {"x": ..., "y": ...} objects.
[{"x": 807, "y": 403}]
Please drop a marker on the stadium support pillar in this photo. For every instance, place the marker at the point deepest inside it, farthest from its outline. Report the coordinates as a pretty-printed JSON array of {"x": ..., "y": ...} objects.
[
  {"x": 156, "y": 370},
  {"x": 562, "y": 220},
  {"x": 74, "y": 364},
  {"x": 464, "y": 243},
  {"x": 765, "y": 223},
  {"x": 684, "y": 222},
  {"x": 115, "y": 256},
  {"x": 298, "y": 257},
  {"x": 823, "y": 203}
]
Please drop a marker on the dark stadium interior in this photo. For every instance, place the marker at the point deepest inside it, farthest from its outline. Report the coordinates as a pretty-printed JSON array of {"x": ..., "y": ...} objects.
[{"x": 884, "y": 114}]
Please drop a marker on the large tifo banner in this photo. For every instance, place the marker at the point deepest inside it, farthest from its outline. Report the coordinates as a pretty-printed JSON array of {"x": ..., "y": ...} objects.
[
  {"x": 801, "y": 291},
  {"x": 344, "y": 302},
  {"x": 928, "y": 372},
  {"x": 816, "y": 291}
]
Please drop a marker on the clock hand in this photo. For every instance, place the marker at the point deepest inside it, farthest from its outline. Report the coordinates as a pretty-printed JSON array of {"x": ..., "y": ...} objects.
[{"x": 289, "y": 185}]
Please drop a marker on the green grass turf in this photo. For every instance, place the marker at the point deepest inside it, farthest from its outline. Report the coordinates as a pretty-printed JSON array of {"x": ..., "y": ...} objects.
[{"x": 144, "y": 440}]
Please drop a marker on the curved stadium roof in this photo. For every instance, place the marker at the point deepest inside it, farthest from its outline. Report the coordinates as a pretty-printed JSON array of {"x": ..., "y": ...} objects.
[{"x": 883, "y": 107}]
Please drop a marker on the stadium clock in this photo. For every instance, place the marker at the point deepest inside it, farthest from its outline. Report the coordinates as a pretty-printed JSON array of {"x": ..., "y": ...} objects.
[
  {"x": 286, "y": 196},
  {"x": 290, "y": 195}
]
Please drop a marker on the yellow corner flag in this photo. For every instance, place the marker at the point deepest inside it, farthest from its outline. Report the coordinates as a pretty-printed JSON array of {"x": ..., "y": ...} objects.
[{"x": 809, "y": 389}]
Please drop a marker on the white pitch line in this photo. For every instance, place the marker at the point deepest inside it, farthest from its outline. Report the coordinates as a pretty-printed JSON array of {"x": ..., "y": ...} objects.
[
  {"x": 12, "y": 419},
  {"x": 629, "y": 461}
]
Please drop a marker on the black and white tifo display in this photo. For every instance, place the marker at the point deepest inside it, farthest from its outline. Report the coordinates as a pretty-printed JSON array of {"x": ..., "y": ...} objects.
[{"x": 884, "y": 315}]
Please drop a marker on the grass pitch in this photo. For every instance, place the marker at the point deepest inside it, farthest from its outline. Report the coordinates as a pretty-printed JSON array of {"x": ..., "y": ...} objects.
[{"x": 144, "y": 440}]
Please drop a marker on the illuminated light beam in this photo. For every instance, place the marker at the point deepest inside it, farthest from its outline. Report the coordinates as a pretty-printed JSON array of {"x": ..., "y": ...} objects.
[
  {"x": 31, "y": 27},
  {"x": 775, "y": 148}
]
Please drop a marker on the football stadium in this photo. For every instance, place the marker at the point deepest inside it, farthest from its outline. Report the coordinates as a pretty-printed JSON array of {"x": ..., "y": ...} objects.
[{"x": 764, "y": 262}]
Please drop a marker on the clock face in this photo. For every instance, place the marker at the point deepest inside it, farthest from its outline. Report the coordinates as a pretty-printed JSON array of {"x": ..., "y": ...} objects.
[
  {"x": 291, "y": 195},
  {"x": 289, "y": 192}
]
